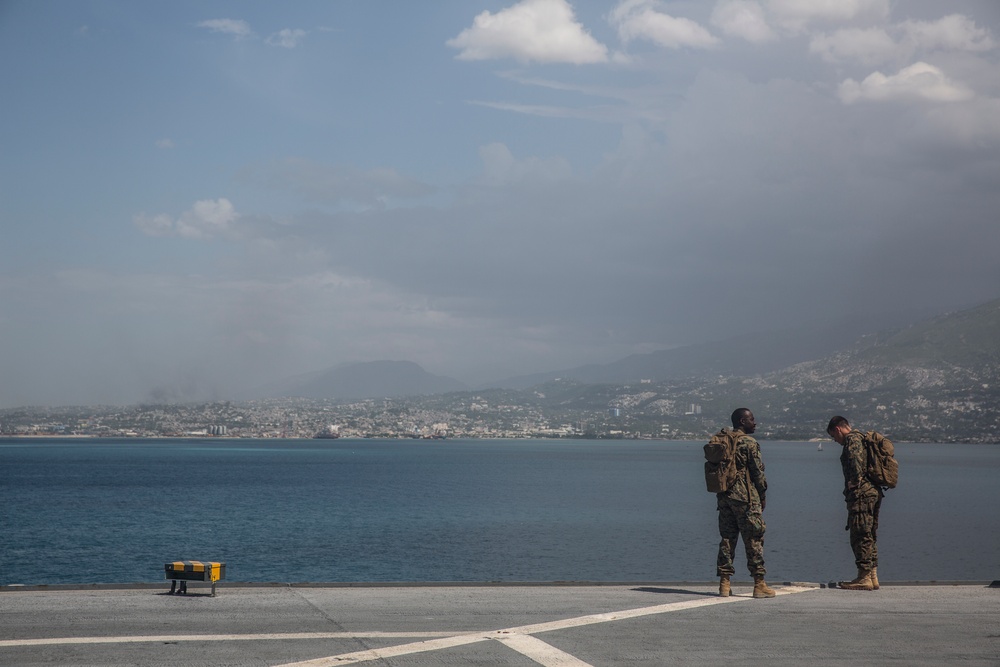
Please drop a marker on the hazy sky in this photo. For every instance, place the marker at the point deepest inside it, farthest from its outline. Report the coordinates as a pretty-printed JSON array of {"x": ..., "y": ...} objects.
[{"x": 198, "y": 196}]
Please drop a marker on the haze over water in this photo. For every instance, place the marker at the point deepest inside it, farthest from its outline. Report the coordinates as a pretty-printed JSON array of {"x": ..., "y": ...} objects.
[{"x": 465, "y": 510}]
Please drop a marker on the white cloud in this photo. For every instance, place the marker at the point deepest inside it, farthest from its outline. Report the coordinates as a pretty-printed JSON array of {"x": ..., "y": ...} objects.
[
  {"x": 742, "y": 18},
  {"x": 236, "y": 27},
  {"x": 532, "y": 30},
  {"x": 500, "y": 167},
  {"x": 919, "y": 81},
  {"x": 868, "y": 46},
  {"x": 901, "y": 42},
  {"x": 287, "y": 38},
  {"x": 796, "y": 14},
  {"x": 603, "y": 113},
  {"x": 165, "y": 143},
  {"x": 639, "y": 19},
  {"x": 954, "y": 32},
  {"x": 206, "y": 219}
]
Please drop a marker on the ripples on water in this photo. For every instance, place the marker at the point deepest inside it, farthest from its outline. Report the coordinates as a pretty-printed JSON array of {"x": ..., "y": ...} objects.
[{"x": 466, "y": 510}]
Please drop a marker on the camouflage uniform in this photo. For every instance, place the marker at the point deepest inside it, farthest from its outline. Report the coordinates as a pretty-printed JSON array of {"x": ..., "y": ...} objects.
[
  {"x": 741, "y": 510},
  {"x": 863, "y": 501}
]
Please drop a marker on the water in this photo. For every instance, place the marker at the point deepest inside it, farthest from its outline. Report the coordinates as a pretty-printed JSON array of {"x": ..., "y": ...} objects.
[{"x": 113, "y": 511}]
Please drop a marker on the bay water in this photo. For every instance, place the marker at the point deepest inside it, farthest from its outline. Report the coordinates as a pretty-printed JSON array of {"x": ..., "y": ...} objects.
[{"x": 114, "y": 511}]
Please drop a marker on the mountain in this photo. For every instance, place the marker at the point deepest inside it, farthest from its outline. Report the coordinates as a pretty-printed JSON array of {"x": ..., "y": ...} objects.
[
  {"x": 934, "y": 381},
  {"x": 937, "y": 380},
  {"x": 957, "y": 350},
  {"x": 746, "y": 354},
  {"x": 373, "y": 379},
  {"x": 968, "y": 338}
]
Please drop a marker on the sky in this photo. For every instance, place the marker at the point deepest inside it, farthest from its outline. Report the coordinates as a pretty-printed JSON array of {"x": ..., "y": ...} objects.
[{"x": 197, "y": 198}]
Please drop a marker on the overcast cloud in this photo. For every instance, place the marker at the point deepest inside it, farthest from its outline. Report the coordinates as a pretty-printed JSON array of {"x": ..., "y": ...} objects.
[{"x": 198, "y": 197}]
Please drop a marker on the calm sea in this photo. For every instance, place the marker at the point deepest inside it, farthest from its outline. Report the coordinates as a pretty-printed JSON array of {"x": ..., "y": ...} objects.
[{"x": 113, "y": 511}]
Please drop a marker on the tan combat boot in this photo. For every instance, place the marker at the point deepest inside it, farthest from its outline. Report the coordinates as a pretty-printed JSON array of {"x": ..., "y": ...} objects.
[
  {"x": 724, "y": 590},
  {"x": 761, "y": 589},
  {"x": 862, "y": 583},
  {"x": 874, "y": 578}
]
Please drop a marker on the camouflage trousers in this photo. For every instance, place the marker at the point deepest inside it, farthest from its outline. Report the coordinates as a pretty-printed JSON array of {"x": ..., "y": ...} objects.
[
  {"x": 862, "y": 522},
  {"x": 736, "y": 519}
]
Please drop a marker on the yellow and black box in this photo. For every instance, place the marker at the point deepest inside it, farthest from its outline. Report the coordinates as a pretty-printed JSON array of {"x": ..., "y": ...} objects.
[{"x": 184, "y": 571}]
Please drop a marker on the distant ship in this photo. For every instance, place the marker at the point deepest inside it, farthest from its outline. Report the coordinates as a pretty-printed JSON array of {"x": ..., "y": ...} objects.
[
  {"x": 820, "y": 447},
  {"x": 329, "y": 433}
]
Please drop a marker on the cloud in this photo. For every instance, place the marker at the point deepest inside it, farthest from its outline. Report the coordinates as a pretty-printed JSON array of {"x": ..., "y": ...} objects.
[
  {"x": 954, "y": 32},
  {"x": 596, "y": 217},
  {"x": 336, "y": 184},
  {"x": 543, "y": 31},
  {"x": 868, "y": 46},
  {"x": 638, "y": 19},
  {"x": 287, "y": 38},
  {"x": 605, "y": 113},
  {"x": 236, "y": 27},
  {"x": 206, "y": 219},
  {"x": 899, "y": 42},
  {"x": 919, "y": 81},
  {"x": 797, "y": 14},
  {"x": 501, "y": 168},
  {"x": 165, "y": 143},
  {"x": 742, "y": 18}
]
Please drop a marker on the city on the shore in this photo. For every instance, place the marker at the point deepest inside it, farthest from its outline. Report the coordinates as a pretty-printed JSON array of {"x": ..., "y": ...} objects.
[{"x": 559, "y": 409}]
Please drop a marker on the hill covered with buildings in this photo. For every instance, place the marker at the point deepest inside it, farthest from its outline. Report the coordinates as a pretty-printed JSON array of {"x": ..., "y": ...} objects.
[{"x": 934, "y": 381}]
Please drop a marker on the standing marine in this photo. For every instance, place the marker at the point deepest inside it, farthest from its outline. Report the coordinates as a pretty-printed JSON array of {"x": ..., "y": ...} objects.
[
  {"x": 741, "y": 510},
  {"x": 863, "y": 502}
]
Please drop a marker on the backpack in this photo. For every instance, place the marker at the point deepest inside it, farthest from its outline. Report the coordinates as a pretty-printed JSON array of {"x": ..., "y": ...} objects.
[
  {"x": 883, "y": 469},
  {"x": 720, "y": 461}
]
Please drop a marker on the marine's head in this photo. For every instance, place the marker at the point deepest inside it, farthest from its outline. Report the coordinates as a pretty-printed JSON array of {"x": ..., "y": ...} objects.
[
  {"x": 838, "y": 429},
  {"x": 744, "y": 421}
]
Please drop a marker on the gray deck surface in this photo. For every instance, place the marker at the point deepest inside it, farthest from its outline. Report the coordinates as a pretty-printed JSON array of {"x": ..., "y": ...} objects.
[{"x": 469, "y": 624}]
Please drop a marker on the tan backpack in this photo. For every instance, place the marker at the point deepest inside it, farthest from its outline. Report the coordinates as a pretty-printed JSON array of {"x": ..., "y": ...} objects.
[
  {"x": 883, "y": 469},
  {"x": 720, "y": 461}
]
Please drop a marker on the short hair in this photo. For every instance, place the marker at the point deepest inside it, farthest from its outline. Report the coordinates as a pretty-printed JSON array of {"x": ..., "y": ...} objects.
[
  {"x": 738, "y": 415},
  {"x": 835, "y": 422}
]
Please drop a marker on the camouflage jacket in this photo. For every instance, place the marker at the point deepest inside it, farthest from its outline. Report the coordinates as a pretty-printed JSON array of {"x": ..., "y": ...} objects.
[
  {"x": 854, "y": 461},
  {"x": 748, "y": 460}
]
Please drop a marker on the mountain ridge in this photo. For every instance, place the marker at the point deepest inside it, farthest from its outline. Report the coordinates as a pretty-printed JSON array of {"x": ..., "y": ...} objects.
[
  {"x": 936, "y": 379},
  {"x": 745, "y": 354}
]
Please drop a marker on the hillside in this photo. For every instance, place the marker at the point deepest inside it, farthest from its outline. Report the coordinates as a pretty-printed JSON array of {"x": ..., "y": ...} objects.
[
  {"x": 745, "y": 354},
  {"x": 937, "y": 380}
]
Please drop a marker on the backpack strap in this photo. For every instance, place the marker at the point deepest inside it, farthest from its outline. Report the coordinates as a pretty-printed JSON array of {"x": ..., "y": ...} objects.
[{"x": 746, "y": 467}]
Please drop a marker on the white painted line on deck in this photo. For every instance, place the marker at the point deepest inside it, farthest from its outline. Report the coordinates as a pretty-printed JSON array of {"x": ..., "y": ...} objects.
[
  {"x": 137, "y": 639},
  {"x": 391, "y": 651},
  {"x": 501, "y": 635},
  {"x": 544, "y": 654},
  {"x": 518, "y": 638}
]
